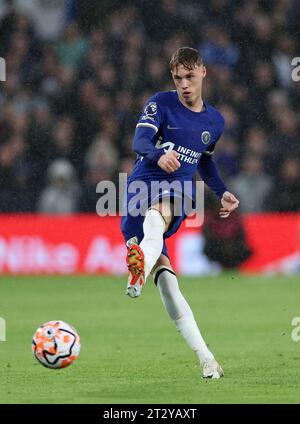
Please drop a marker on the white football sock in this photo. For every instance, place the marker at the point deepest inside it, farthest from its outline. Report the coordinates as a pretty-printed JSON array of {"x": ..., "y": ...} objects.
[
  {"x": 152, "y": 243},
  {"x": 180, "y": 312}
]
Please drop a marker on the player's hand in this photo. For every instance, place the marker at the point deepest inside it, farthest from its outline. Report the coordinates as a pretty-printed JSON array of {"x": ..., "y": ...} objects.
[
  {"x": 229, "y": 204},
  {"x": 169, "y": 161}
]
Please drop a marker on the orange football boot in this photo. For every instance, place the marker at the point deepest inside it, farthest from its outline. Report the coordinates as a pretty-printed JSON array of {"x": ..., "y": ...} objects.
[{"x": 136, "y": 268}]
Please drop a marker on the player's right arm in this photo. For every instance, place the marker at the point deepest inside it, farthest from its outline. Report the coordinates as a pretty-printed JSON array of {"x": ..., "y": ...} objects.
[
  {"x": 143, "y": 144},
  {"x": 169, "y": 161},
  {"x": 144, "y": 139}
]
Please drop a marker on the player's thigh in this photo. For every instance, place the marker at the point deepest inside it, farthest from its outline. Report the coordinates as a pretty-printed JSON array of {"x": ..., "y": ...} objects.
[
  {"x": 166, "y": 208},
  {"x": 163, "y": 260}
]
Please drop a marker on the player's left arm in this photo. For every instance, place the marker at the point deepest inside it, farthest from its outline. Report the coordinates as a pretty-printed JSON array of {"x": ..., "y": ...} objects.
[{"x": 209, "y": 174}]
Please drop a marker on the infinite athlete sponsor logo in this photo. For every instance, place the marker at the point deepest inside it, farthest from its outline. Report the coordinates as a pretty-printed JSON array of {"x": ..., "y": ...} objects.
[
  {"x": 188, "y": 155},
  {"x": 205, "y": 137},
  {"x": 185, "y": 155}
]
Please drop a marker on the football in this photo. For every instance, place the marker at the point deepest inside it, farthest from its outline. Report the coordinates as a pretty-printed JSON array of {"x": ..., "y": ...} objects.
[{"x": 56, "y": 344}]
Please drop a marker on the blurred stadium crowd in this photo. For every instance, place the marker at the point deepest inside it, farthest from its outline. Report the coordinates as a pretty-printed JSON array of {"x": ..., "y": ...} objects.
[{"x": 71, "y": 101}]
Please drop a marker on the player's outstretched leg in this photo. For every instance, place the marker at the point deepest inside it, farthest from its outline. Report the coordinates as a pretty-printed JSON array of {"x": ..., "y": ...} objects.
[
  {"x": 183, "y": 318},
  {"x": 141, "y": 258}
]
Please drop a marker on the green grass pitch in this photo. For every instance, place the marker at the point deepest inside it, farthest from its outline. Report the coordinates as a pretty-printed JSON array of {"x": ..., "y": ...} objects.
[{"x": 131, "y": 352}]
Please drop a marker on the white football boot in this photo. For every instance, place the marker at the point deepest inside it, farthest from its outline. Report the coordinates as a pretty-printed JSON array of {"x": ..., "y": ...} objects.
[{"x": 211, "y": 369}]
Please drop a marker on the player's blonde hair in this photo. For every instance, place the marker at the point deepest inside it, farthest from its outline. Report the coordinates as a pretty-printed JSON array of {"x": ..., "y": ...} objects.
[{"x": 186, "y": 56}]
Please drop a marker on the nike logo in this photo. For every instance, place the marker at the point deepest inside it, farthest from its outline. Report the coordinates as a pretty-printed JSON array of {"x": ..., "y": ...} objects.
[{"x": 173, "y": 128}]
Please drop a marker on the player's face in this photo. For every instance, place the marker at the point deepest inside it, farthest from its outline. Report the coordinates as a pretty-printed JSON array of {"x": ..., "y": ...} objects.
[{"x": 188, "y": 83}]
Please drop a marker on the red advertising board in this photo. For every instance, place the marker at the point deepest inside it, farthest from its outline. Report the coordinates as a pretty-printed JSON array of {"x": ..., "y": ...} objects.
[
  {"x": 275, "y": 240},
  {"x": 33, "y": 244}
]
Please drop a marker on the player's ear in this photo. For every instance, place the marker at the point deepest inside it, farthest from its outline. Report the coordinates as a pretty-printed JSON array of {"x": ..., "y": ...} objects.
[{"x": 204, "y": 71}]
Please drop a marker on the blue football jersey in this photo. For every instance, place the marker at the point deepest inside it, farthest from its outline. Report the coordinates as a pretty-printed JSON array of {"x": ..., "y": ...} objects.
[{"x": 177, "y": 128}]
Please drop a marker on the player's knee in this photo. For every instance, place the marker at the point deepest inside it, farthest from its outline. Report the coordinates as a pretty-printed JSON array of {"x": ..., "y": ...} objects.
[
  {"x": 165, "y": 208},
  {"x": 167, "y": 213},
  {"x": 162, "y": 262},
  {"x": 155, "y": 218}
]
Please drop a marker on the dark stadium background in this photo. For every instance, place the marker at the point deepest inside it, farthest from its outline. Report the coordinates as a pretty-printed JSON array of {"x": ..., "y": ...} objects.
[{"x": 77, "y": 94}]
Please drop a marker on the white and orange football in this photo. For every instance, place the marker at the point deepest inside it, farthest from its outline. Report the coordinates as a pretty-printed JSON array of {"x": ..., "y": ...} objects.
[{"x": 56, "y": 344}]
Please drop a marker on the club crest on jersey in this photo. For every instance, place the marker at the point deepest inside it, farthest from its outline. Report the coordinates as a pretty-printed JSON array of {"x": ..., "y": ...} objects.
[
  {"x": 149, "y": 111},
  {"x": 205, "y": 137}
]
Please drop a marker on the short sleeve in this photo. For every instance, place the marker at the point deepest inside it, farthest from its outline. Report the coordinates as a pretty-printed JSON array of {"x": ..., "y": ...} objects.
[{"x": 151, "y": 116}]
